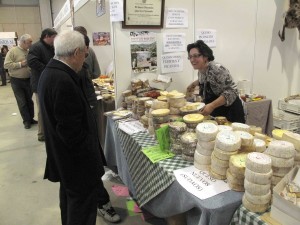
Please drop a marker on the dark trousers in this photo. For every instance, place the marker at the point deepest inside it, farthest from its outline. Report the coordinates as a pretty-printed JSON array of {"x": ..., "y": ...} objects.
[
  {"x": 78, "y": 208},
  {"x": 81, "y": 209},
  {"x": 23, "y": 94},
  {"x": 3, "y": 76}
]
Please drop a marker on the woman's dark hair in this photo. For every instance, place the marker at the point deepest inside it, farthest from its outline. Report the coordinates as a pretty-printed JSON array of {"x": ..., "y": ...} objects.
[
  {"x": 203, "y": 49},
  {"x": 48, "y": 32}
]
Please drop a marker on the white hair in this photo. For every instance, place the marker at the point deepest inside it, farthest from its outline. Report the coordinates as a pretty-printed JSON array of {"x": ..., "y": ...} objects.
[
  {"x": 66, "y": 42},
  {"x": 24, "y": 37}
]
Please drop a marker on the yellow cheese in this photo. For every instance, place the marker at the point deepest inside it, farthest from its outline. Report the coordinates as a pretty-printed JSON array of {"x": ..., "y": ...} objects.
[
  {"x": 278, "y": 133},
  {"x": 193, "y": 118},
  {"x": 293, "y": 138},
  {"x": 160, "y": 112},
  {"x": 237, "y": 164}
]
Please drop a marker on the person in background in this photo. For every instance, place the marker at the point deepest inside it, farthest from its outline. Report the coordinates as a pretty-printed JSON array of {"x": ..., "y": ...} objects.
[
  {"x": 91, "y": 59},
  {"x": 4, "y": 51},
  {"x": 15, "y": 62},
  {"x": 72, "y": 146},
  {"x": 39, "y": 55},
  {"x": 217, "y": 88}
]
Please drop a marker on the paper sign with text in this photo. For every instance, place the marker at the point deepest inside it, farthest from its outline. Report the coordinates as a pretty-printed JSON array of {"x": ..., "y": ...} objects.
[
  {"x": 209, "y": 36},
  {"x": 177, "y": 18},
  {"x": 174, "y": 42},
  {"x": 200, "y": 183},
  {"x": 171, "y": 63}
]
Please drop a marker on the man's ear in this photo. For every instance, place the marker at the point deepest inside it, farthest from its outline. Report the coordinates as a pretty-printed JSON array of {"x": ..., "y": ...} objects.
[{"x": 76, "y": 51}]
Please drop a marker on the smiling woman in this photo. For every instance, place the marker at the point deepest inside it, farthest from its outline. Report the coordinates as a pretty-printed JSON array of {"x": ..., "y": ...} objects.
[{"x": 217, "y": 88}]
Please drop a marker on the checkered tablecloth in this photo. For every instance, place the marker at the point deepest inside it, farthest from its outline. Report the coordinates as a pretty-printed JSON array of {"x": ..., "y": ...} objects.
[
  {"x": 242, "y": 216},
  {"x": 148, "y": 179}
]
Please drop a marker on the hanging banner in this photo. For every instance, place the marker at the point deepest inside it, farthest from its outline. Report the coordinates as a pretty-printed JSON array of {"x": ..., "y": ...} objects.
[
  {"x": 143, "y": 46},
  {"x": 200, "y": 183},
  {"x": 171, "y": 63}
]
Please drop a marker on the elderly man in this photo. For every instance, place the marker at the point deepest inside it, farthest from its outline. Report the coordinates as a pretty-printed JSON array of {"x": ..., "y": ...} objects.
[
  {"x": 39, "y": 55},
  {"x": 73, "y": 155},
  {"x": 15, "y": 62}
]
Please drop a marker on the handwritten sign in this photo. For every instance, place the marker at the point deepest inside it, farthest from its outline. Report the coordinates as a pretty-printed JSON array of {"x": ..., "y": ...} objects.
[
  {"x": 209, "y": 36},
  {"x": 199, "y": 182},
  {"x": 177, "y": 18},
  {"x": 116, "y": 10},
  {"x": 171, "y": 63},
  {"x": 174, "y": 42}
]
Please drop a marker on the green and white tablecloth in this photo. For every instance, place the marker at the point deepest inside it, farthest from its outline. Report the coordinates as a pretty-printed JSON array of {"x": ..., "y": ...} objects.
[
  {"x": 242, "y": 216},
  {"x": 149, "y": 179}
]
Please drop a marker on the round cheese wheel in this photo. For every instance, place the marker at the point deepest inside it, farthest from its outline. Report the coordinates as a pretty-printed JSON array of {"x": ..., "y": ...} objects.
[
  {"x": 193, "y": 118},
  {"x": 177, "y": 102},
  {"x": 215, "y": 175},
  {"x": 281, "y": 162},
  {"x": 258, "y": 199},
  {"x": 276, "y": 179},
  {"x": 206, "y": 144},
  {"x": 257, "y": 208},
  {"x": 236, "y": 187},
  {"x": 177, "y": 127},
  {"x": 237, "y": 164},
  {"x": 241, "y": 127},
  {"x": 281, "y": 149},
  {"x": 162, "y": 98},
  {"x": 223, "y": 155},
  {"x": 256, "y": 189},
  {"x": 247, "y": 138},
  {"x": 156, "y": 104},
  {"x": 234, "y": 180},
  {"x": 203, "y": 151},
  {"x": 258, "y": 178},
  {"x": 260, "y": 145},
  {"x": 258, "y": 162},
  {"x": 281, "y": 171},
  {"x": 202, "y": 159},
  {"x": 201, "y": 166},
  {"x": 228, "y": 141},
  {"x": 206, "y": 131},
  {"x": 160, "y": 112},
  {"x": 219, "y": 162},
  {"x": 225, "y": 128},
  {"x": 159, "y": 119}
]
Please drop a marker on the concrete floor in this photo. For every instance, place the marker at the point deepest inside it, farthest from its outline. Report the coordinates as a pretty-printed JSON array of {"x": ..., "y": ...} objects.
[{"x": 25, "y": 198}]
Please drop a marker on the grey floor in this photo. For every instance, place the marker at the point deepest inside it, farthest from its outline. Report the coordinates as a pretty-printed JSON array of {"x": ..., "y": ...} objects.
[{"x": 25, "y": 198}]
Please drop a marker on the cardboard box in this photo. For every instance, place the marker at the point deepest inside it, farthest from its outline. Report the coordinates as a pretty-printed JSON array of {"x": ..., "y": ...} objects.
[
  {"x": 162, "y": 82},
  {"x": 282, "y": 210}
]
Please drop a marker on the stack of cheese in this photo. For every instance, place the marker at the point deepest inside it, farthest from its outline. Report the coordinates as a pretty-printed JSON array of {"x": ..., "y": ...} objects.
[
  {"x": 176, "y": 130},
  {"x": 236, "y": 172},
  {"x": 159, "y": 116},
  {"x": 227, "y": 144},
  {"x": 176, "y": 101},
  {"x": 282, "y": 154},
  {"x": 257, "y": 182},
  {"x": 145, "y": 118},
  {"x": 140, "y": 107},
  {"x": 156, "y": 104},
  {"x": 206, "y": 135},
  {"x": 294, "y": 138},
  {"x": 189, "y": 143},
  {"x": 129, "y": 101},
  {"x": 192, "y": 120},
  {"x": 126, "y": 94},
  {"x": 240, "y": 126}
]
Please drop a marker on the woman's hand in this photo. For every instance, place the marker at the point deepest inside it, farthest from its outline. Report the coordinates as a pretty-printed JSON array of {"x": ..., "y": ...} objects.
[{"x": 207, "y": 109}]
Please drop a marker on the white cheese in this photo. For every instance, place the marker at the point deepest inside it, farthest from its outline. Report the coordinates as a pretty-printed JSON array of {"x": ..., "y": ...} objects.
[
  {"x": 281, "y": 162},
  {"x": 228, "y": 141},
  {"x": 257, "y": 208},
  {"x": 202, "y": 159},
  {"x": 207, "y": 144},
  {"x": 258, "y": 199},
  {"x": 281, "y": 149},
  {"x": 258, "y": 162},
  {"x": 240, "y": 126},
  {"x": 223, "y": 155},
  {"x": 247, "y": 138},
  {"x": 206, "y": 131},
  {"x": 256, "y": 189},
  {"x": 258, "y": 178}
]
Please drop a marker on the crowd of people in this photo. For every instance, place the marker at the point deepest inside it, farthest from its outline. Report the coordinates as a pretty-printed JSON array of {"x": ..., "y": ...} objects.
[{"x": 59, "y": 72}]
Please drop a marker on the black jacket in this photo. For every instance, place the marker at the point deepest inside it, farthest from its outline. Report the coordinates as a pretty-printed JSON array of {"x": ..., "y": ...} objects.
[
  {"x": 39, "y": 55},
  {"x": 71, "y": 137}
]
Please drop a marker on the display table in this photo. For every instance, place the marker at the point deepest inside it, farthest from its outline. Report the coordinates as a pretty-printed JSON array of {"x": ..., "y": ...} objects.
[
  {"x": 242, "y": 216},
  {"x": 260, "y": 114},
  {"x": 154, "y": 185}
]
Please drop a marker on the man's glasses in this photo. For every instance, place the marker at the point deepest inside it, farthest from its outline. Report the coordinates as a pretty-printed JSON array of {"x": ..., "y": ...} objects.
[{"x": 196, "y": 56}]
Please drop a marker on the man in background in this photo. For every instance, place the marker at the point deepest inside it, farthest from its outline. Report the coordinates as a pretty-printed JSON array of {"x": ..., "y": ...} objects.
[
  {"x": 73, "y": 155},
  {"x": 91, "y": 59},
  {"x": 15, "y": 62},
  {"x": 39, "y": 55}
]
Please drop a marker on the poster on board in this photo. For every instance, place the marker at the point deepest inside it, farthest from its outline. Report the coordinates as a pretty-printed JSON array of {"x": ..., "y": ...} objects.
[{"x": 143, "y": 48}]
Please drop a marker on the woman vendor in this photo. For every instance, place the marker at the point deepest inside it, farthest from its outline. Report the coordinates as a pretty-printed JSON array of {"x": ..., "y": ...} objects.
[{"x": 217, "y": 88}]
